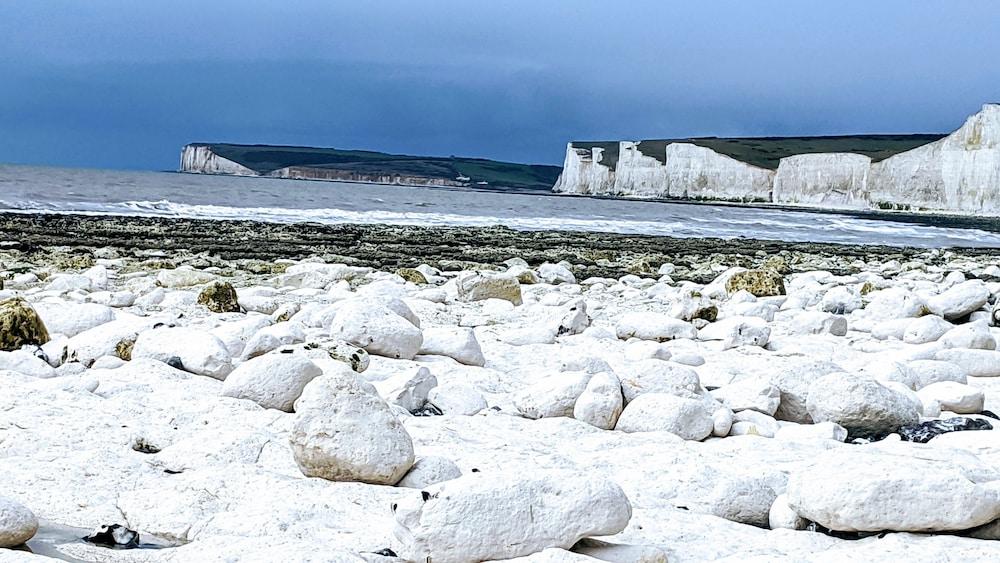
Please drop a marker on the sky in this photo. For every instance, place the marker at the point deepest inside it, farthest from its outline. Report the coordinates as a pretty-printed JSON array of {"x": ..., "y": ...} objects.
[{"x": 125, "y": 84}]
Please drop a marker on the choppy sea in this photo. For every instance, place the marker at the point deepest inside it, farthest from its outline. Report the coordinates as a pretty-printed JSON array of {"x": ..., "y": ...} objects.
[{"x": 167, "y": 194}]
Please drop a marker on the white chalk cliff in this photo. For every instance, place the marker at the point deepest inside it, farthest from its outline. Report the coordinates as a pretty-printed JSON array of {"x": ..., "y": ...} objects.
[
  {"x": 200, "y": 159},
  {"x": 959, "y": 173}
]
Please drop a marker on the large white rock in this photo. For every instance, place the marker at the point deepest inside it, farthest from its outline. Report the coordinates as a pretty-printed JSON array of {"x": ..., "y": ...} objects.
[
  {"x": 859, "y": 404},
  {"x": 343, "y": 433},
  {"x": 481, "y": 517},
  {"x": 27, "y": 363},
  {"x": 926, "y": 372},
  {"x": 688, "y": 418},
  {"x": 653, "y": 326},
  {"x": 974, "y": 335},
  {"x": 103, "y": 339},
  {"x": 782, "y": 516},
  {"x": 977, "y": 363},
  {"x": 17, "y": 523},
  {"x": 477, "y": 286},
  {"x": 746, "y": 500},
  {"x": 182, "y": 277},
  {"x": 911, "y": 487},
  {"x": 960, "y": 300},
  {"x": 793, "y": 382},
  {"x": 458, "y": 343},
  {"x": 70, "y": 319},
  {"x": 429, "y": 471},
  {"x": 235, "y": 335},
  {"x": 657, "y": 376},
  {"x": 555, "y": 273},
  {"x": 737, "y": 331},
  {"x": 271, "y": 337},
  {"x": 198, "y": 351},
  {"x": 954, "y": 397},
  {"x": 551, "y": 396},
  {"x": 457, "y": 399},
  {"x": 408, "y": 389},
  {"x": 273, "y": 381},
  {"x": 816, "y": 322},
  {"x": 601, "y": 402},
  {"x": 756, "y": 393},
  {"x": 378, "y": 330},
  {"x": 928, "y": 328},
  {"x": 894, "y": 303}
]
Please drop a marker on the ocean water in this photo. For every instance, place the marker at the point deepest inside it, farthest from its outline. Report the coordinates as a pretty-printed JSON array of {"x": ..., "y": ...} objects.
[{"x": 166, "y": 194}]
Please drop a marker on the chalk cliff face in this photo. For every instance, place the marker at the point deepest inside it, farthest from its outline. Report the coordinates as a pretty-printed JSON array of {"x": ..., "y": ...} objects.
[
  {"x": 683, "y": 170},
  {"x": 836, "y": 180},
  {"x": 583, "y": 174},
  {"x": 958, "y": 173},
  {"x": 200, "y": 159},
  {"x": 700, "y": 173}
]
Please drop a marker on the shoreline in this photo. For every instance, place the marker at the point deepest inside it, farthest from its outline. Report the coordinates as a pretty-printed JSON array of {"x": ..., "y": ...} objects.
[{"x": 388, "y": 247}]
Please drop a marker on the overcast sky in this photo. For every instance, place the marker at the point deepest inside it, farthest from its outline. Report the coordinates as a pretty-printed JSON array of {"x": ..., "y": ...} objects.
[{"x": 125, "y": 83}]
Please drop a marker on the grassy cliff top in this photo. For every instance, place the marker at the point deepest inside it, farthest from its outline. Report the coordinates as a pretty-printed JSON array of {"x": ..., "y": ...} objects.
[
  {"x": 765, "y": 152},
  {"x": 264, "y": 159}
]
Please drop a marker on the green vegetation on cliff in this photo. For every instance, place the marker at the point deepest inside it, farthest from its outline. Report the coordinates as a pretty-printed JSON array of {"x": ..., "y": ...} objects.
[
  {"x": 765, "y": 152},
  {"x": 265, "y": 159}
]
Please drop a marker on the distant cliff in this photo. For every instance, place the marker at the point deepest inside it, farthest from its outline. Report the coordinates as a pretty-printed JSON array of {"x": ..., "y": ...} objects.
[
  {"x": 309, "y": 163},
  {"x": 959, "y": 172}
]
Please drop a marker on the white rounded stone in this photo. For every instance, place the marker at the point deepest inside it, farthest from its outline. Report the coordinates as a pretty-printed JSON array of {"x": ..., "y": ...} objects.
[
  {"x": 482, "y": 517},
  {"x": 652, "y": 412},
  {"x": 344, "y": 433},
  {"x": 17, "y": 523},
  {"x": 458, "y": 343},
  {"x": 601, "y": 402},
  {"x": 273, "y": 381},
  {"x": 429, "y": 471},
  {"x": 198, "y": 351}
]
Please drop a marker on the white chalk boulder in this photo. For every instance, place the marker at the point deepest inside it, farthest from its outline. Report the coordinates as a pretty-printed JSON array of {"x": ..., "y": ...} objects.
[
  {"x": 377, "y": 329},
  {"x": 342, "y": 432},
  {"x": 907, "y": 488},
  {"x": 194, "y": 351},
  {"x": 273, "y": 381},
  {"x": 481, "y": 517},
  {"x": 688, "y": 418},
  {"x": 653, "y": 326},
  {"x": 601, "y": 402},
  {"x": 859, "y": 404},
  {"x": 428, "y": 471},
  {"x": 458, "y": 343},
  {"x": 17, "y": 523}
]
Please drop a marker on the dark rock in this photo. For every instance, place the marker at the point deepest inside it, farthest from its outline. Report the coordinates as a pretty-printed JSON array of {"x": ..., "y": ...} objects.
[
  {"x": 385, "y": 553},
  {"x": 762, "y": 283},
  {"x": 20, "y": 325},
  {"x": 412, "y": 275},
  {"x": 142, "y": 446},
  {"x": 115, "y": 536},
  {"x": 124, "y": 348},
  {"x": 219, "y": 297},
  {"x": 175, "y": 362},
  {"x": 925, "y": 431},
  {"x": 427, "y": 410}
]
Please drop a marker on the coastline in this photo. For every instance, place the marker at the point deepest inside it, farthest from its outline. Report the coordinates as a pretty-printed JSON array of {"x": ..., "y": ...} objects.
[{"x": 388, "y": 247}]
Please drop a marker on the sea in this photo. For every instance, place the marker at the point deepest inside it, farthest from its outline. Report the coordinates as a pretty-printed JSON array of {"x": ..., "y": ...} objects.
[{"x": 172, "y": 194}]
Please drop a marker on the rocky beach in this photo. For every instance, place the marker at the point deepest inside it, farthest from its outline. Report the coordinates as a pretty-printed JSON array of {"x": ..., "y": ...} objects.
[{"x": 197, "y": 390}]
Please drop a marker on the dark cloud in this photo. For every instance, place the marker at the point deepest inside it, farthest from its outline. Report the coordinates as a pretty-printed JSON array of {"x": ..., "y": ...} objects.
[{"x": 124, "y": 84}]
